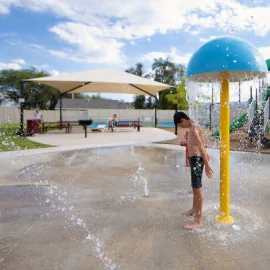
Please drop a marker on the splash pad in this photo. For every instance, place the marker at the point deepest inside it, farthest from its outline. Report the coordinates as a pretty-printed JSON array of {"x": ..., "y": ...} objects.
[
  {"x": 72, "y": 210},
  {"x": 225, "y": 60}
]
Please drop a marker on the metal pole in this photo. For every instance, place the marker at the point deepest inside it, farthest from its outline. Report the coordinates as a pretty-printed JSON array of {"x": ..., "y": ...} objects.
[
  {"x": 211, "y": 107},
  {"x": 22, "y": 105},
  {"x": 85, "y": 131},
  {"x": 269, "y": 106},
  {"x": 239, "y": 92},
  {"x": 210, "y": 116},
  {"x": 256, "y": 100},
  {"x": 61, "y": 111},
  {"x": 176, "y": 109},
  {"x": 156, "y": 104},
  {"x": 155, "y": 116}
]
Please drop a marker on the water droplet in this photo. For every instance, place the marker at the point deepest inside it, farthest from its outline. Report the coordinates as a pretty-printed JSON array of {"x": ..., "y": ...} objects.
[{"x": 236, "y": 228}]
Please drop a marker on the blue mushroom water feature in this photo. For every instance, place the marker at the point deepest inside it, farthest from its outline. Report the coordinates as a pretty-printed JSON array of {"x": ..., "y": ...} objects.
[{"x": 225, "y": 60}]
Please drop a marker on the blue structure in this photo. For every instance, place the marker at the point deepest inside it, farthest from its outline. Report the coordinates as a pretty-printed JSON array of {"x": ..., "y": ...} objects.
[
  {"x": 238, "y": 57},
  {"x": 225, "y": 60}
]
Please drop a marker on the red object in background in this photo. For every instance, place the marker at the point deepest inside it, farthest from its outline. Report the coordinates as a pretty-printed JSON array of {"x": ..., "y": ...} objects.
[
  {"x": 184, "y": 143},
  {"x": 32, "y": 126}
]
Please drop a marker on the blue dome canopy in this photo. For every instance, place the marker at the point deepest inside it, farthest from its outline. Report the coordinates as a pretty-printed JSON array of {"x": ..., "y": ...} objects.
[{"x": 239, "y": 58}]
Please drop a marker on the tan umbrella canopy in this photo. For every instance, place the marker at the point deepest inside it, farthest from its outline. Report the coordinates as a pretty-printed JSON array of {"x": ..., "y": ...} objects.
[
  {"x": 102, "y": 81},
  {"x": 98, "y": 81}
]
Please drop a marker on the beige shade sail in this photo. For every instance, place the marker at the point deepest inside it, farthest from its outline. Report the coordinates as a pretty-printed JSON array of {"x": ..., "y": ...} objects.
[{"x": 102, "y": 81}]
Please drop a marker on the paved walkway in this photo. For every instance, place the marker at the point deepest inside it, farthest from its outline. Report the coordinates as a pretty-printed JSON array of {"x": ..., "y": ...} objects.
[
  {"x": 105, "y": 138},
  {"x": 76, "y": 141}
]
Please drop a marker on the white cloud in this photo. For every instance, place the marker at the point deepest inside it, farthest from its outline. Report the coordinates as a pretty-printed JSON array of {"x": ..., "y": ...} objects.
[
  {"x": 98, "y": 35},
  {"x": 204, "y": 40},
  {"x": 90, "y": 44},
  {"x": 41, "y": 67},
  {"x": 55, "y": 72},
  {"x": 19, "y": 61},
  {"x": 15, "y": 42},
  {"x": 4, "y": 8},
  {"x": 265, "y": 51},
  {"x": 173, "y": 54},
  {"x": 134, "y": 20},
  {"x": 10, "y": 66}
]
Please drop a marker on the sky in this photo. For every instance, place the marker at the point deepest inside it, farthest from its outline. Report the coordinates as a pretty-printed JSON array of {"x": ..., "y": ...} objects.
[{"x": 67, "y": 36}]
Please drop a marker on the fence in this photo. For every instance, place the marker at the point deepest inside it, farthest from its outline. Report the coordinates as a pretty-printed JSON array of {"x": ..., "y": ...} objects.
[{"x": 12, "y": 115}]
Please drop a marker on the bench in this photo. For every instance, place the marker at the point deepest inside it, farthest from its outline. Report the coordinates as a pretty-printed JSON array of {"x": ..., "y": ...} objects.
[
  {"x": 126, "y": 123},
  {"x": 45, "y": 126},
  {"x": 70, "y": 124}
]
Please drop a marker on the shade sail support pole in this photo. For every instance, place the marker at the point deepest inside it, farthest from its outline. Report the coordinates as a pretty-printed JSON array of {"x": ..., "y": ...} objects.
[
  {"x": 22, "y": 107},
  {"x": 75, "y": 88},
  {"x": 142, "y": 90},
  {"x": 156, "y": 104},
  {"x": 61, "y": 111}
]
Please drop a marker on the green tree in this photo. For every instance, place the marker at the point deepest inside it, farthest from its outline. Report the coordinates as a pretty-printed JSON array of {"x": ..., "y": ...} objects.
[
  {"x": 36, "y": 95},
  {"x": 137, "y": 70},
  {"x": 149, "y": 103},
  {"x": 96, "y": 97},
  {"x": 139, "y": 100},
  {"x": 169, "y": 73},
  {"x": 76, "y": 96},
  {"x": 178, "y": 97}
]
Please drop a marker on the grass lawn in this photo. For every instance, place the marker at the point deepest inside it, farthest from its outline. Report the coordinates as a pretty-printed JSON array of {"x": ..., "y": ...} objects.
[{"x": 9, "y": 141}]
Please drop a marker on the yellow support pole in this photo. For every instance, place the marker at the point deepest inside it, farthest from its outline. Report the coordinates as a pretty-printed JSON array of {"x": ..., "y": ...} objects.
[{"x": 224, "y": 216}]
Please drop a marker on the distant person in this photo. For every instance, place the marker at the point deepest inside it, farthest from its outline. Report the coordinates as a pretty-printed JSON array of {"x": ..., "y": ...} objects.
[
  {"x": 38, "y": 115},
  {"x": 198, "y": 158},
  {"x": 115, "y": 121},
  {"x": 112, "y": 122}
]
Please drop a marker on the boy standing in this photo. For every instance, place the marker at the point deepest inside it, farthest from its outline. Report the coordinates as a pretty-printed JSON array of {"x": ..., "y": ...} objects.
[{"x": 198, "y": 158}]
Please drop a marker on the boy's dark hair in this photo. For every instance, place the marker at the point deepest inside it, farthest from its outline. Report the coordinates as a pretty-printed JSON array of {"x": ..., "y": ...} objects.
[{"x": 178, "y": 116}]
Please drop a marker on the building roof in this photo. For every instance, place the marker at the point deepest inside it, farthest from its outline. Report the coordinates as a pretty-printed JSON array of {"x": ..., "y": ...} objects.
[{"x": 84, "y": 104}]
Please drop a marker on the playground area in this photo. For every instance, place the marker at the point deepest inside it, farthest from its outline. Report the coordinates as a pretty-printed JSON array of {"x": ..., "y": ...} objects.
[
  {"x": 238, "y": 140},
  {"x": 114, "y": 200},
  {"x": 120, "y": 208}
]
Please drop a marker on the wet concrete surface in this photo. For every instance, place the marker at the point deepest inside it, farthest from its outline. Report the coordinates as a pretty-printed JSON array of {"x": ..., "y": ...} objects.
[{"x": 87, "y": 209}]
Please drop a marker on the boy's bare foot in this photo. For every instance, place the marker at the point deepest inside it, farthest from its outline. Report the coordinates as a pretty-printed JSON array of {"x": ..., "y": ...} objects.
[
  {"x": 189, "y": 213},
  {"x": 193, "y": 225}
]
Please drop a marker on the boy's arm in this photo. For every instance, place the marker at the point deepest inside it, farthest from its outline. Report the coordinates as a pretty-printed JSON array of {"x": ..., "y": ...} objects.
[{"x": 208, "y": 169}]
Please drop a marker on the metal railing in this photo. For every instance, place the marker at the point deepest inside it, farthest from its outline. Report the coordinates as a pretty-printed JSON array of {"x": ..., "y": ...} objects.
[
  {"x": 251, "y": 113},
  {"x": 266, "y": 114}
]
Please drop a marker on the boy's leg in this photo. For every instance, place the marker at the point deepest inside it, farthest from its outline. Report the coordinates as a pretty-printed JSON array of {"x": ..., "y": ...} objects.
[
  {"x": 198, "y": 202},
  {"x": 192, "y": 211}
]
